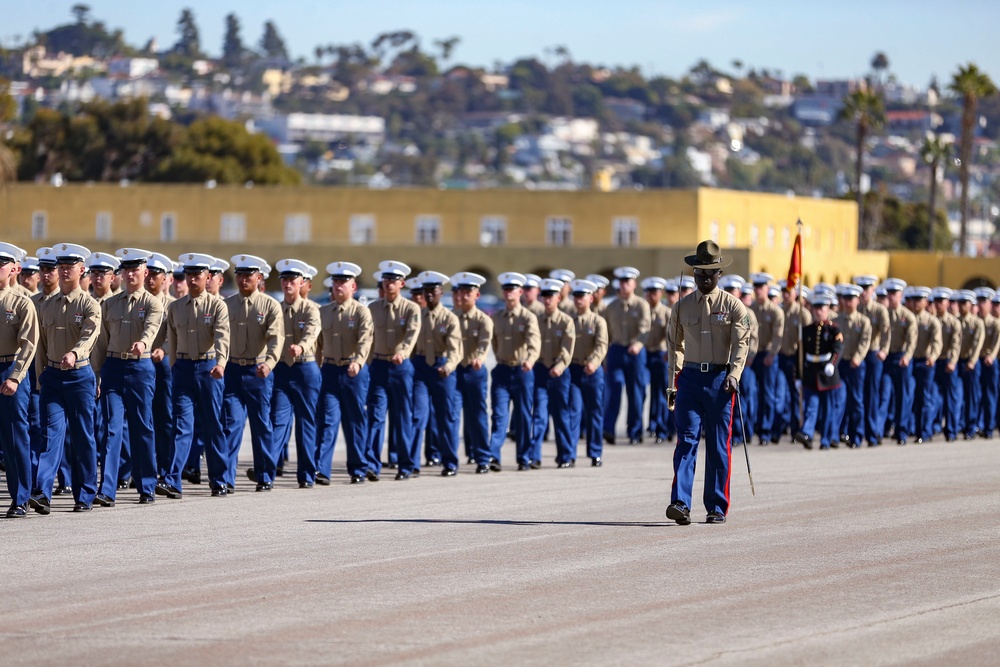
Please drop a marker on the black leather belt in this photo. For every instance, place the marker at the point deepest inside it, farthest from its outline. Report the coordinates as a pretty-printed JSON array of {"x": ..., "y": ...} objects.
[
  {"x": 383, "y": 357},
  {"x": 338, "y": 362},
  {"x": 8, "y": 358},
  {"x": 706, "y": 367}
]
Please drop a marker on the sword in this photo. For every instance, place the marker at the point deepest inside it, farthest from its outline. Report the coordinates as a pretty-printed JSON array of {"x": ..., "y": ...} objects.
[{"x": 743, "y": 427}]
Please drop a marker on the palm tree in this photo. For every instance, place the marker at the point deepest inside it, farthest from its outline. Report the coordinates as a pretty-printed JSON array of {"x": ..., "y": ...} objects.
[
  {"x": 935, "y": 153},
  {"x": 867, "y": 110},
  {"x": 970, "y": 84}
]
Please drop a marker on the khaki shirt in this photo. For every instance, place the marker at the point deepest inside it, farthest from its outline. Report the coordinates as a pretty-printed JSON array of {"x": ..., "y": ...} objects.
[
  {"x": 536, "y": 307},
  {"x": 857, "y": 332},
  {"x": 770, "y": 324},
  {"x": 790, "y": 332},
  {"x": 127, "y": 319},
  {"x": 754, "y": 336},
  {"x": 951, "y": 338},
  {"x": 591, "y": 344},
  {"x": 22, "y": 290},
  {"x": 301, "y": 324},
  {"x": 257, "y": 328},
  {"x": 515, "y": 336},
  {"x": 973, "y": 332},
  {"x": 902, "y": 331},
  {"x": 197, "y": 326},
  {"x": 878, "y": 315},
  {"x": 659, "y": 315},
  {"x": 102, "y": 299},
  {"x": 628, "y": 321},
  {"x": 558, "y": 335},
  {"x": 18, "y": 332},
  {"x": 477, "y": 330},
  {"x": 929, "y": 342},
  {"x": 565, "y": 305},
  {"x": 440, "y": 336},
  {"x": 713, "y": 328},
  {"x": 599, "y": 307},
  {"x": 67, "y": 323},
  {"x": 160, "y": 340},
  {"x": 346, "y": 332},
  {"x": 396, "y": 326},
  {"x": 991, "y": 337},
  {"x": 38, "y": 297}
]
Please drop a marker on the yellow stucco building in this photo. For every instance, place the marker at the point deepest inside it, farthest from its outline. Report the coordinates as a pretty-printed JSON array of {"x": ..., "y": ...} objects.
[{"x": 490, "y": 231}]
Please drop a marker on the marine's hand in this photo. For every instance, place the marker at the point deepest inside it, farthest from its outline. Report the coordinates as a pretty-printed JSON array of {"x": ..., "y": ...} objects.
[{"x": 731, "y": 384}]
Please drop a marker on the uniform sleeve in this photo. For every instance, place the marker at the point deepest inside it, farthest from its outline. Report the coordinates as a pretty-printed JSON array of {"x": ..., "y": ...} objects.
[
  {"x": 880, "y": 330},
  {"x": 27, "y": 334},
  {"x": 533, "y": 339},
  {"x": 100, "y": 351},
  {"x": 453, "y": 345},
  {"x": 910, "y": 345},
  {"x": 838, "y": 345},
  {"x": 600, "y": 342},
  {"x": 42, "y": 355},
  {"x": 979, "y": 332},
  {"x": 937, "y": 342},
  {"x": 221, "y": 332},
  {"x": 485, "y": 339},
  {"x": 774, "y": 345},
  {"x": 91, "y": 329},
  {"x": 675, "y": 345},
  {"x": 864, "y": 341},
  {"x": 171, "y": 325},
  {"x": 311, "y": 340},
  {"x": 494, "y": 343},
  {"x": 275, "y": 334},
  {"x": 154, "y": 321},
  {"x": 405, "y": 348},
  {"x": 566, "y": 347},
  {"x": 739, "y": 341},
  {"x": 645, "y": 322},
  {"x": 955, "y": 351},
  {"x": 366, "y": 329}
]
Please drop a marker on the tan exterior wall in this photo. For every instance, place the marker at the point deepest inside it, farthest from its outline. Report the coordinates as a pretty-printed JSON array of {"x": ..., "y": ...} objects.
[{"x": 933, "y": 269}]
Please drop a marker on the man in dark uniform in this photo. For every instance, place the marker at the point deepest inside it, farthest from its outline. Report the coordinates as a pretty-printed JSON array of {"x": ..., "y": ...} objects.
[
  {"x": 822, "y": 344},
  {"x": 708, "y": 336}
]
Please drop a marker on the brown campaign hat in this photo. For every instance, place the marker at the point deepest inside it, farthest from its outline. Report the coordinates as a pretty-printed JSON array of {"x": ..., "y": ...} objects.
[{"x": 708, "y": 256}]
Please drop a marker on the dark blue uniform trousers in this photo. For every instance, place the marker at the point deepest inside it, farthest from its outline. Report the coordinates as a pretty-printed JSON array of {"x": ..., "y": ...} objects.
[
  {"x": 539, "y": 409},
  {"x": 972, "y": 391},
  {"x": 511, "y": 384},
  {"x": 949, "y": 398},
  {"x": 557, "y": 391},
  {"x": 656, "y": 368},
  {"x": 988, "y": 378},
  {"x": 788, "y": 412},
  {"x": 745, "y": 420},
  {"x": 628, "y": 371},
  {"x": 874, "y": 414},
  {"x": 924, "y": 398},
  {"x": 821, "y": 413},
  {"x": 443, "y": 397},
  {"x": 475, "y": 423},
  {"x": 702, "y": 406},
  {"x": 67, "y": 404},
  {"x": 127, "y": 394},
  {"x": 902, "y": 389},
  {"x": 295, "y": 395},
  {"x": 246, "y": 395},
  {"x": 852, "y": 415},
  {"x": 392, "y": 385},
  {"x": 16, "y": 443},
  {"x": 586, "y": 403},
  {"x": 423, "y": 423},
  {"x": 342, "y": 403},
  {"x": 163, "y": 415},
  {"x": 767, "y": 394},
  {"x": 197, "y": 400}
]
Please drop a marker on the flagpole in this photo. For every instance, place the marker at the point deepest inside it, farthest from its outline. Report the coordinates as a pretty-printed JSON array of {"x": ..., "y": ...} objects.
[{"x": 802, "y": 310}]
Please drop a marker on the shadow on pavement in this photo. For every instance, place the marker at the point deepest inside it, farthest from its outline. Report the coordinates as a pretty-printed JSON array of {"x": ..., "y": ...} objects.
[{"x": 502, "y": 522}]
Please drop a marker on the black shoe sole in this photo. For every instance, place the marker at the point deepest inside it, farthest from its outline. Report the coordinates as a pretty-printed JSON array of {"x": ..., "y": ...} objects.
[{"x": 675, "y": 513}]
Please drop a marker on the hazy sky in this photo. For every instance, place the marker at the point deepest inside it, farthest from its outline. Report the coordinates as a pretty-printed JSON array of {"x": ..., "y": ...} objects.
[{"x": 831, "y": 39}]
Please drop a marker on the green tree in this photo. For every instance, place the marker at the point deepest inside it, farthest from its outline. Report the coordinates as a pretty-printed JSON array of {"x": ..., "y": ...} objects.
[
  {"x": 271, "y": 43},
  {"x": 8, "y": 109},
  {"x": 934, "y": 151},
  {"x": 880, "y": 63},
  {"x": 232, "y": 43},
  {"x": 189, "y": 41},
  {"x": 81, "y": 13},
  {"x": 970, "y": 84},
  {"x": 866, "y": 110},
  {"x": 447, "y": 47}
]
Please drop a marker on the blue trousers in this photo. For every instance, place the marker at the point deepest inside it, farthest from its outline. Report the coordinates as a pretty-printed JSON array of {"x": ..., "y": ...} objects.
[
  {"x": 539, "y": 409},
  {"x": 988, "y": 378},
  {"x": 163, "y": 416},
  {"x": 510, "y": 385},
  {"x": 443, "y": 396},
  {"x": 423, "y": 424},
  {"x": 14, "y": 439},
  {"x": 745, "y": 423},
  {"x": 852, "y": 417},
  {"x": 702, "y": 406},
  {"x": 820, "y": 413},
  {"x": 557, "y": 392},
  {"x": 197, "y": 400},
  {"x": 902, "y": 390},
  {"x": 767, "y": 394},
  {"x": 246, "y": 395},
  {"x": 788, "y": 413},
  {"x": 295, "y": 395},
  {"x": 472, "y": 386},
  {"x": 626, "y": 371},
  {"x": 971, "y": 392},
  {"x": 392, "y": 386},
  {"x": 656, "y": 368},
  {"x": 949, "y": 398},
  {"x": 127, "y": 389},
  {"x": 586, "y": 403},
  {"x": 924, "y": 398},
  {"x": 342, "y": 403},
  {"x": 66, "y": 404},
  {"x": 874, "y": 412}
]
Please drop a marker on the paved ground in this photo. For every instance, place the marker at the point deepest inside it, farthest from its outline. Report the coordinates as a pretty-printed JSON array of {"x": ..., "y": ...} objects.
[{"x": 887, "y": 556}]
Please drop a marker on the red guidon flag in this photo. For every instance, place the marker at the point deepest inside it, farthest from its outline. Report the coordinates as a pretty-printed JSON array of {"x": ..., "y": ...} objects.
[{"x": 795, "y": 266}]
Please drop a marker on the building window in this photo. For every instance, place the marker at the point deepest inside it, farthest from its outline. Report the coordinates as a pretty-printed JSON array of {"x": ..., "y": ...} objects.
[
  {"x": 731, "y": 235},
  {"x": 769, "y": 237},
  {"x": 754, "y": 236},
  {"x": 39, "y": 225},
  {"x": 233, "y": 227},
  {"x": 298, "y": 228},
  {"x": 786, "y": 237},
  {"x": 625, "y": 232},
  {"x": 362, "y": 229},
  {"x": 168, "y": 227},
  {"x": 428, "y": 229},
  {"x": 492, "y": 230},
  {"x": 102, "y": 231},
  {"x": 713, "y": 231},
  {"x": 559, "y": 231}
]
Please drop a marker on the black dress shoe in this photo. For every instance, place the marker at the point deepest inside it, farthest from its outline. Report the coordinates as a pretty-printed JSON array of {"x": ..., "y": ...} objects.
[
  {"x": 567, "y": 464},
  {"x": 803, "y": 439},
  {"x": 471, "y": 461},
  {"x": 40, "y": 504},
  {"x": 357, "y": 479},
  {"x": 919, "y": 441},
  {"x": 322, "y": 480},
  {"x": 63, "y": 490},
  {"x": 251, "y": 474},
  {"x": 263, "y": 487},
  {"x": 534, "y": 465},
  {"x": 230, "y": 488},
  {"x": 482, "y": 469},
  {"x": 305, "y": 485},
  {"x": 609, "y": 438},
  {"x": 416, "y": 472},
  {"x": 660, "y": 440},
  {"x": 523, "y": 466},
  {"x": 195, "y": 477},
  {"x": 402, "y": 475},
  {"x": 900, "y": 441},
  {"x": 596, "y": 462},
  {"x": 103, "y": 500},
  {"x": 764, "y": 442},
  {"x": 495, "y": 465},
  {"x": 635, "y": 441},
  {"x": 677, "y": 512},
  {"x": 715, "y": 517},
  {"x": 449, "y": 472},
  {"x": 16, "y": 511},
  {"x": 125, "y": 483},
  {"x": 219, "y": 493},
  {"x": 279, "y": 472},
  {"x": 146, "y": 499},
  {"x": 372, "y": 476},
  {"x": 433, "y": 462},
  {"x": 391, "y": 466},
  {"x": 81, "y": 507}
]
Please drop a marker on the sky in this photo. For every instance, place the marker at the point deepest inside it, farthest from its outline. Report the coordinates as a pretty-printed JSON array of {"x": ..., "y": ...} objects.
[{"x": 662, "y": 37}]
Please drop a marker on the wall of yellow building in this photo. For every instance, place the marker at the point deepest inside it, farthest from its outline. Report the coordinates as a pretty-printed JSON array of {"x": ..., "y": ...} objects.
[{"x": 933, "y": 269}]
